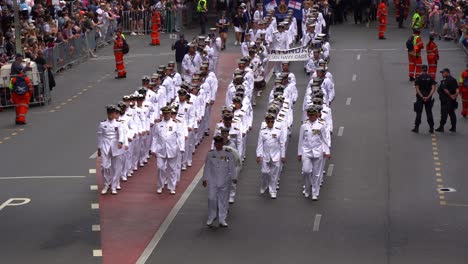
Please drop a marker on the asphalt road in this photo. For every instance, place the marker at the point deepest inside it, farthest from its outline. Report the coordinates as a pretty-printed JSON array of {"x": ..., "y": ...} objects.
[
  {"x": 56, "y": 226},
  {"x": 380, "y": 203}
]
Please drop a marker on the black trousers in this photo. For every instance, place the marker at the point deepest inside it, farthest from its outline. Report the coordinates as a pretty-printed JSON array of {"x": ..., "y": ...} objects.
[
  {"x": 202, "y": 17},
  {"x": 419, "y": 106},
  {"x": 447, "y": 108}
]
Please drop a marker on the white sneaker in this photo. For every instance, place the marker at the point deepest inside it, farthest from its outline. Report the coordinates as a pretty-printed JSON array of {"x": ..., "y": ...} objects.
[
  {"x": 119, "y": 188},
  {"x": 124, "y": 179},
  {"x": 262, "y": 190},
  {"x": 273, "y": 195},
  {"x": 142, "y": 164},
  {"x": 145, "y": 161},
  {"x": 133, "y": 34},
  {"x": 184, "y": 167},
  {"x": 130, "y": 174},
  {"x": 159, "y": 190},
  {"x": 135, "y": 169},
  {"x": 189, "y": 164},
  {"x": 172, "y": 192},
  {"x": 209, "y": 223},
  {"x": 231, "y": 200},
  {"x": 236, "y": 43},
  {"x": 306, "y": 195},
  {"x": 223, "y": 224},
  {"x": 314, "y": 198},
  {"x": 105, "y": 190},
  {"x": 114, "y": 192}
]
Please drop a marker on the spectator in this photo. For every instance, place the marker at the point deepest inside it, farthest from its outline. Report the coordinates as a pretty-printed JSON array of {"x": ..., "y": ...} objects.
[{"x": 180, "y": 48}]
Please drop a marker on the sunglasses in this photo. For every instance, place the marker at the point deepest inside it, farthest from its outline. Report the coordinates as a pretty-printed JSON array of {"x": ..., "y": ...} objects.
[{"x": 270, "y": 121}]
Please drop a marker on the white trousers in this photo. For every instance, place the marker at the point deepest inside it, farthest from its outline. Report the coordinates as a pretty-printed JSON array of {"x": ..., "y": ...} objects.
[
  {"x": 136, "y": 152},
  {"x": 311, "y": 171},
  {"x": 111, "y": 167},
  {"x": 167, "y": 172},
  {"x": 218, "y": 202},
  {"x": 270, "y": 173}
]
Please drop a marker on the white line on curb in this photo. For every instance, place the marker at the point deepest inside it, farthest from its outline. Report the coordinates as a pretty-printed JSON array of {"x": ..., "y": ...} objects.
[
  {"x": 340, "y": 131},
  {"x": 318, "y": 217}
]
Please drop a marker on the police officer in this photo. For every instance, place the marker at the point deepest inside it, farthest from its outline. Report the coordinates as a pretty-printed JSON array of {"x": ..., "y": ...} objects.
[
  {"x": 425, "y": 87},
  {"x": 448, "y": 93}
]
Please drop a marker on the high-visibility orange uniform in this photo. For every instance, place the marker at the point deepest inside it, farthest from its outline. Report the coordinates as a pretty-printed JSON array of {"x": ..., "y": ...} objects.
[
  {"x": 118, "y": 54},
  {"x": 414, "y": 57},
  {"x": 382, "y": 16},
  {"x": 432, "y": 58},
  {"x": 21, "y": 101},
  {"x": 155, "y": 24},
  {"x": 464, "y": 92}
]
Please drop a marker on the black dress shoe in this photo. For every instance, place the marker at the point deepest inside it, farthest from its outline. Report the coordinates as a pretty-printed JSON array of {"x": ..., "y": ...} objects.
[
  {"x": 431, "y": 130},
  {"x": 453, "y": 129},
  {"x": 415, "y": 130},
  {"x": 411, "y": 79},
  {"x": 440, "y": 129}
]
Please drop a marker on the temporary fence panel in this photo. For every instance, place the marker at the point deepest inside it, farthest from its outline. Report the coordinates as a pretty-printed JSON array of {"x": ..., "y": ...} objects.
[{"x": 138, "y": 22}]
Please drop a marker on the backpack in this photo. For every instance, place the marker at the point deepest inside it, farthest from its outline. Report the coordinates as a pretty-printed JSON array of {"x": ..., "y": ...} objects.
[
  {"x": 20, "y": 87},
  {"x": 410, "y": 44},
  {"x": 125, "y": 48}
]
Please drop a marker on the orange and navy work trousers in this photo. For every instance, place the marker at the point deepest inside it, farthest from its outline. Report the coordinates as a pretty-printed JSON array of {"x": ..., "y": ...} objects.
[
  {"x": 119, "y": 64},
  {"x": 432, "y": 67},
  {"x": 22, "y": 105},
  {"x": 414, "y": 66},
  {"x": 464, "y": 96}
]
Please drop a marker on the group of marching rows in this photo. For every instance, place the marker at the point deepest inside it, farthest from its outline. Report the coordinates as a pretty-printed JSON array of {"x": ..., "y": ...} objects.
[{"x": 165, "y": 117}]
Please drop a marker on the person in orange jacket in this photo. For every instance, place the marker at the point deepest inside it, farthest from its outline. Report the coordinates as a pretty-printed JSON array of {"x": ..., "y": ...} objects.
[
  {"x": 21, "y": 89},
  {"x": 382, "y": 16},
  {"x": 432, "y": 56},
  {"x": 414, "y": 55},
  {"x": 118, "y": 55},
  {"x": 463, "y": 85},
  {"x": 155, "y": 25}
]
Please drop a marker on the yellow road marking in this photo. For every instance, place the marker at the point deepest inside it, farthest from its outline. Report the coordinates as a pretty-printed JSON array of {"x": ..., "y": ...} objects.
[
  {"x": 440, "y": 186},
  {"x": 69, "y": 100},
  {"x": 6, "y": 138},
  {"x": 438, "y": 174},
  {"x": 435, "y": 148},
  {"x": 51, "y": 111},
  {"x": 75, "y": 96},
  {"x": 443, "y": 203},
  {"x": 434, "y": 144},
  {"x": 438, "y": 180},
  {"x": 14, "y": 134},
  {"x": 436, "y": 158},
  {"x": 435, "y": 153},
  {"x": 442, "y": 197},
  {"x": 58, "y": 107},
  {"x": 437, "y": 169}
]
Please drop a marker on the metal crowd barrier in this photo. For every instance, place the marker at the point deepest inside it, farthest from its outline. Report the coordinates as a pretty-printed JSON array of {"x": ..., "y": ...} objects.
[
  {"x": 40, "y": 94},
  {"x": 138, "y": 22}
]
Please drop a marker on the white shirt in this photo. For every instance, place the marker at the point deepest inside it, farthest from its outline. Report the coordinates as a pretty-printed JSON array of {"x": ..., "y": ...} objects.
[
  {"x": 313, "y": 140},
  {"x": 271, "y": 144},
  {"x": 168, "y": 140}
]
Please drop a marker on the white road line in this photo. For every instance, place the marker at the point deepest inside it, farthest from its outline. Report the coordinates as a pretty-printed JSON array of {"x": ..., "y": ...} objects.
[
  {"x": 92, "y": 171},
  {"x": 270, "y": 74},
  {"x": 330, "y": 169},
  {"x": 348, "y": 101},
  {"x": 94, "y": 206},
  {"x": 384, "y": 49},
  {"x": 167, "y": 222},
  {"x": 41, "y": 177},
  {"x": 340, "y": 131},
  {"x": 93, "y": 156},
  {"x": 318, "y": 217},
  {"x": 354, "y": 49},
  {"x": 96, "y": 228},
  {"x": 358, "y": 57},
  {"x": 354, "y": 77},
  {"x": 97, "y": 253},
  {"x": 93, "y": 187},
  {"x": 450, "y": 49}
]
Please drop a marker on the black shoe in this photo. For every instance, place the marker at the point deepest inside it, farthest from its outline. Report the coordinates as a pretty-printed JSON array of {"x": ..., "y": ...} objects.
[
  {"x": 440, "y": 129},
  {"x": 411, "y": 79},
  {"x": 453, "y": 130},
  {"x": 415, "y": 130},
  {"x": 431, "y": 130}
]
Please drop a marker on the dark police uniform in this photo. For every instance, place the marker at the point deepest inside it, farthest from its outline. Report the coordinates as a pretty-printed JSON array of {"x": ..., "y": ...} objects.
[
  {"x": 447, "y": 104},
  {"x": 425, "y": 83}
]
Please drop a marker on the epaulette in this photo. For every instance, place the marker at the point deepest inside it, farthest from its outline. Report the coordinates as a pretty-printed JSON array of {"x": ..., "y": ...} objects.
[
  {"x": 236, "y": 128},
  {"x": 278, "y": 128},
  {"x": 242, "y": 110},
  {"x": 103, "y": 120}
]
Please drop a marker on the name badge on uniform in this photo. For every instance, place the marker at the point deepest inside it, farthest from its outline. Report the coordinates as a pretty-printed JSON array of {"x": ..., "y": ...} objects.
[
  {"x": 273, "y": 135},
  {"x": 186, "y": 109},
  {"x": 315, "y": 132},
  {"x": 116, "y": 128},
  {"x": 170, "y": 128},
  {"x": 233, "y": 135}
]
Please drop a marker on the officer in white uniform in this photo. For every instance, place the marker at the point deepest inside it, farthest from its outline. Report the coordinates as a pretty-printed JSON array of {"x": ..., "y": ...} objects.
[
  {"x": 218, "y": 174},
  {"x": 313, "y": 147},
  {"x": 168, "y": 143},
  {"x": 271, "y": 151},
  {"x": 111, "y": 139},
  {"x": 190, "y": 63},
  {"x": 216, "y": 45}
]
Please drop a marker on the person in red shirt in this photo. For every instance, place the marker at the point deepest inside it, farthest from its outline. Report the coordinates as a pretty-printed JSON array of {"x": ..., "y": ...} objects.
[
  {"x": 118, "y": 54},
  {"x": 432, "y": 56},
  {"x": 463, "y": 84},
  {"x": 414, "y": 56},
  {"x": 382, "y": 16}
]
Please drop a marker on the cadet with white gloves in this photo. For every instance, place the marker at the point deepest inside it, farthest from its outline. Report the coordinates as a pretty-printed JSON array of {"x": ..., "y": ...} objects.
[
  {"x": 312, "y": 148},
  {"x": 111, "y": 139},
  {"x": 168, "y": 143},
  {"x": 271, "y": 151},
  {"x": 218, "y": 174}
]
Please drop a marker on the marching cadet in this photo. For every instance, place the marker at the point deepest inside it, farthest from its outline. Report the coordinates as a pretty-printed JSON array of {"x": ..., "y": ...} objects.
[
  {"x": 176, "y": 77},
  {"x": 126, "y": 121},
  {"x": 160, "y": 90},
  {"x": 111, "y": 139},
  {"x": 129, "y": 116},
  {"x": 280, "y": 42},
  {"x": 218, "y": 175},
  {"x": 245, "y": 45},
  {"x": 120, "y": 161},
  {"x": 328, "y": 74},
  {"x": 183, "y": 130},
  {"x": 324, "y": 116},
  {"x": 312, "y": 64},
  {"x": 312, "y": 149},
  {"x": 271, "y": 151},
  {"x": 139, "y": 127},
  {"x": 237, "y": 82},
  {"x": 168, "y": 143},
  {"x": 168, "y": 83},
  {"x": 187, "y": 114},
  {"x": 235, "y": 135},
  {"x": 142, "y": 113},
  {"x": 190, "y": 63},
  {"x": 258, "y": 14},
  {"x": 216, "y": 47},
  {"x": 328, "y": 87}
]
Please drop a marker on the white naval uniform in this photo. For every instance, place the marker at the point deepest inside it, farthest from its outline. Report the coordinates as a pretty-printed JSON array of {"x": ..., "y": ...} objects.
[
  {"x": 215, "y": 50},
  {"x": 168, "y": 143},
  {"x": 328, "y": 88},
  {"x": 168, "y": 83},
  {"x": 110, "y": 133},
  {"x": 189, "y": 65},
  {"x": 271, "y": 148},
  {"x": 219, "y": 172},
  {"x": 188, "y": 115},
  {"x": 312, "y": 147}
]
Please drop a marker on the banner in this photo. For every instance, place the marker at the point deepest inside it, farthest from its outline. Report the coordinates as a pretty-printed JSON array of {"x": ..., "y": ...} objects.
[
  {"x": 282, "y": 7},
  {"x": 295, "y": 54}
]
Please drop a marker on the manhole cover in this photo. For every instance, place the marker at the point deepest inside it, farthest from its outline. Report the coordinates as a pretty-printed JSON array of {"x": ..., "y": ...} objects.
[{"x": 446, "y": 190}]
